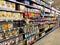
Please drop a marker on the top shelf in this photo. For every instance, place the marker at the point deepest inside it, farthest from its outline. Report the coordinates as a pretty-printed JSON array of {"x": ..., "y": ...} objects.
[
  {"x": 32, "y": 6},
  {"x": 28, "y": 5}
]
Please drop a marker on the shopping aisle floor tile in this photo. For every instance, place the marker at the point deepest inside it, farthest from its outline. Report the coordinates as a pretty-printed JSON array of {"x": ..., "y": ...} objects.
[{"x": 51, "y": 39}]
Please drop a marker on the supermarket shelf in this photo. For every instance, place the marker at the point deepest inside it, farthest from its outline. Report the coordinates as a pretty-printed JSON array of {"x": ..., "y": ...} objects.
[
  {"x": 41, "y": 5},
  {"x": 11, "y": 20},
  {"x": 44, "y": 36},
  {"x": 9, "y": 30},
  {"x": 10, "y": 38},
  {"x": 30, "y": 5},
  {"x": 12, "y": 11},
  {"x": 23, "y": 4}
]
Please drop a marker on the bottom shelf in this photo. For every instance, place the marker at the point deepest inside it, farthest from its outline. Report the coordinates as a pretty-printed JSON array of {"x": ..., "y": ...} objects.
[{"x": 44, "y": 35}]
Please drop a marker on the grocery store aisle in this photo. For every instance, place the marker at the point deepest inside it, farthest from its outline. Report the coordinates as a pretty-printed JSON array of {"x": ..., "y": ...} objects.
[{"x": 51, "y": 39}]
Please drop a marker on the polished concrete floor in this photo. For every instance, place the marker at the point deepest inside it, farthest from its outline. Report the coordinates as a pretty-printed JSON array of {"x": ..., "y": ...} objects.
[{"x": 51, "y": 39}]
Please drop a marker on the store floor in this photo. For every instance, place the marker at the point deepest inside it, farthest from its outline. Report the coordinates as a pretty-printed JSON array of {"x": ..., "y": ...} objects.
[{"x": 51, "y": 39}]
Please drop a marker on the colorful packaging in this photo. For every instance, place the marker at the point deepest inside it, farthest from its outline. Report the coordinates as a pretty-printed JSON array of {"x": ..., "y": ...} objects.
[
  {"x": 21, "y": 16},
  {"x": 1, "y": 35},
  {"x": 2, "y": 4},
  {"x": 8, "y": 5},
  {"x": 8, "y": 15},
  {"x": 21, "y": 8},
  {"x": 2, "y": 15},
  {"x": 21, "y": 38},
  {"x": 10, "y": 25},
  {"x": 6, "y": 35},
  {"x": 4, "y": 26},
  {"x": 13, "y": 6},
  {"x": 17, "y": 16},
  {"x": 17, "y": 40}
]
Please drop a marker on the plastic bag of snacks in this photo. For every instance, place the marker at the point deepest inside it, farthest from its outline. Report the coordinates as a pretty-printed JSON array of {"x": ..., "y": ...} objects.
[
  {"x": 21, "y": 8},
  {"x": 17, "y": 16},
  {"x": 4, "y": 26},
  {"x": 10, "y": 25},
  {"x": 3, "y": 4},
  {"x": 1, "y": 35},
  {"x": 10, "y": 6},
  {"x": 17, "y": 40},
  {"x": 8, "y": 15},
  {"x": 2, "y": 15}
]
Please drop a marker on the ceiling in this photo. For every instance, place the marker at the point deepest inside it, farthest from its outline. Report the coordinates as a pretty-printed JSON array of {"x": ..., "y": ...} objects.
[{"x": 56, "y": 3}]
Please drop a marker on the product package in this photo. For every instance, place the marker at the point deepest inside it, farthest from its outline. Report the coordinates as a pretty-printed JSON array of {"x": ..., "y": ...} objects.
[
  {"x": 2, "y": 15},
  {"x": 3, "y": 4},
  {"x": 10, "y": 25},
  {"x": 4, "y": 26},
  {"x": 17, "y": 40},
  {"x": 8, "y": 5},
  {"x": 13, "y": 16},
  {"x": 6, "y": 35},
  {"x": 8, "y": 15},
  {"x": 21, "y": 38},
  {"x": 21, "y": 16},
  {"x": 1, "y": 35},
  {"x": 21, "y": 8},
  {"x": 17, "y": 16},
  {"x": 13, "y": 7}
]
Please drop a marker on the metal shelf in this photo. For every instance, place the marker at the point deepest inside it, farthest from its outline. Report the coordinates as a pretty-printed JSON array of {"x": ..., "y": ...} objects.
[
  {"x": 10, "y": 38},
  {"x": 12, "y": 11}
]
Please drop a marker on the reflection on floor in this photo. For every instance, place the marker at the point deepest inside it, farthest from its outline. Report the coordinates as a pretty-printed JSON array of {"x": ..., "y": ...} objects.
[{"x": 51, "y": 39}]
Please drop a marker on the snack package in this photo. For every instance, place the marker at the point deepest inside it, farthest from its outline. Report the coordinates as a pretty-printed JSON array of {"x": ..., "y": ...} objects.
[
  {"x": 8, "y": 42},
  {"x": 8, "y": 5},
  {"x": 13, "y": 16},
  {"x": 10, "y": 25},
  {"x": 4, "y": 43},
  {"x": 10, "y": 33},
  {"x": 21, "y": 16},
  {"x": 21, "y": 43},
  {"x": 1, "y": 35},
  {"x": 4, "y": 26},
  {"x": 13, "y": 41},
  {"x": 13, "y": 6},
  {"x": 17, "y": 40},
  {"x": 17, "y": 16},
  {"x": 2, "y": 4},
  {"x": 2, "y": 15},
  {"x": 6, "y": 35},
  {"x": 21, "y": 8},
  {"x": 8, "y": 15},
  {"x": 21, "y": 38}
]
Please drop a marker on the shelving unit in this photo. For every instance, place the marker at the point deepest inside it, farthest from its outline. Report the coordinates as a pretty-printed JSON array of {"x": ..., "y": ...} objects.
[{"x": 23, "y": 22}]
